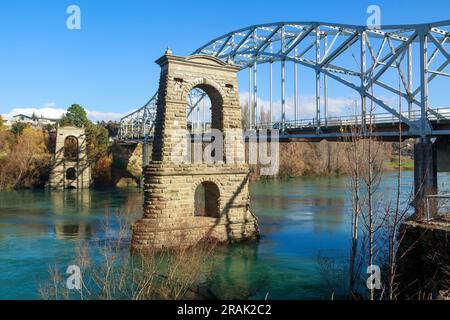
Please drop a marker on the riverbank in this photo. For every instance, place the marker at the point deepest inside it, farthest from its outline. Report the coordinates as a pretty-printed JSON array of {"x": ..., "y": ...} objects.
[
  {"x": 26, "y": 159},
  {"x": 328, "y": 159},
  {"x": 407, "y": 164}
]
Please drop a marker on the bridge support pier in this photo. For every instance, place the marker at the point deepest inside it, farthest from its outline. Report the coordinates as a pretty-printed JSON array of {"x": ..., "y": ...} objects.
[
  {"x": 425, "y": 176},
  {"x": 188, "y": 201},
  {"x": 424, "y": 246}
]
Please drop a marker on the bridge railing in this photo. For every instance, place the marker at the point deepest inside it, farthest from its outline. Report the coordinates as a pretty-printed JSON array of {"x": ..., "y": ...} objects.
[
  {"x": 437, "y": 206},
  {"x": 199, "y": 127},
  {"x": 436, "y": 115}
]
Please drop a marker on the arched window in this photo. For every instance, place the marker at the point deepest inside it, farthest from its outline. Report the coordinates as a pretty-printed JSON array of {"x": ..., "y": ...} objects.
[
  {"x": 207, "y": 200},
  {"x": 71, "y": 174},
  {"x": 71, "y": 148}
]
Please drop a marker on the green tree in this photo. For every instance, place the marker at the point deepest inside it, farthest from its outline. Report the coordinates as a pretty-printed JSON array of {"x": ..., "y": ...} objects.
[
  {"x": 1, "y": 123},
  {"x": 18, "y": 127},
  {"x": 49, "y": 127},
  {"x": 97, "y": 141},
  {"x": 75, "y": 116}
]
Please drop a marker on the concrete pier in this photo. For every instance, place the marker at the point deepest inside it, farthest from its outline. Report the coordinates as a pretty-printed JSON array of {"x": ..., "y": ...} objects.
[{"x": 425, "y": 176}]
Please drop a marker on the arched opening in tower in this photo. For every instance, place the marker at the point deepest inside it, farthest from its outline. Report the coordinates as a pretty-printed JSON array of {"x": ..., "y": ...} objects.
[
  {"x": 71, "y": 148},
  {"x": 198, "y": 111},
  {"x": 204, "y": 113},
  {"x": 71, "y": 174},
  {"x": 207, "y": 203}
]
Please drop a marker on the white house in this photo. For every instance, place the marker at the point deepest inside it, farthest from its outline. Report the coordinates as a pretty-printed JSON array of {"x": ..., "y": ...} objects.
[{"x": 33, "y": 120}]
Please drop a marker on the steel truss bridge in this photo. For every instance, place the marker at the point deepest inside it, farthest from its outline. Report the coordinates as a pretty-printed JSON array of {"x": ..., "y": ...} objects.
[{"x": 389, "y": 68}]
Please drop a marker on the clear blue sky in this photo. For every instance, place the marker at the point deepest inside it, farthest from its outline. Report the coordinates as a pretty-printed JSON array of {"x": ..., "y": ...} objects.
[{"x": 108, "y": 65}]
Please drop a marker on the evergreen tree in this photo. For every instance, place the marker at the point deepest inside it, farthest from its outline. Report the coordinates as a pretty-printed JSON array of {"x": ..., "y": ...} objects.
[{"x": 75, "y": 116}]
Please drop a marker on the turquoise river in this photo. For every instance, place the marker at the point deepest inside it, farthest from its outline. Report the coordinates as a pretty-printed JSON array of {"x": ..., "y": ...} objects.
[{"x": 301, "y": 221}]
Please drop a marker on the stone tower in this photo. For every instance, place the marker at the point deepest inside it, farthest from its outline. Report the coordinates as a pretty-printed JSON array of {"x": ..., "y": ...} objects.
[
  {"x": 170, "y": 218},
  {"x": 71, "y": 168}
]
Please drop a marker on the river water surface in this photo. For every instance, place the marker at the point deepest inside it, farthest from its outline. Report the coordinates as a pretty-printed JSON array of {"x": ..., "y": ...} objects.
[{"x": 301, "y": 221}]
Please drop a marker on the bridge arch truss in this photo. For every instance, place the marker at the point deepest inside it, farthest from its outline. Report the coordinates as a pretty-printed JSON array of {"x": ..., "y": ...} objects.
[{"x": 358, "y": 57}]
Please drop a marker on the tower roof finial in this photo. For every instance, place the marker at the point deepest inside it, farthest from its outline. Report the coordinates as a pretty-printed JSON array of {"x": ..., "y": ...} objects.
[{"x": 168, "y": 51}]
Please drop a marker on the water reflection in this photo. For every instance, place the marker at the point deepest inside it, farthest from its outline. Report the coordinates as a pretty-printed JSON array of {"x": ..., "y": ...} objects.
[
  {"x": 69, "y": 206},
  {"x": 71, "y": 202},
  {"x": 329, "y": 214},
  {"x": 231, "y": 269},
  {"x": 76, "y": 214}
]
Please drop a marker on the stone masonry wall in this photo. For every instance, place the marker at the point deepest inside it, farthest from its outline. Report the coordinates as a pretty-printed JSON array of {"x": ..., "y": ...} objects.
[
  {"x": 423, "y": 270},
  {"x": 169, "y": 206}
]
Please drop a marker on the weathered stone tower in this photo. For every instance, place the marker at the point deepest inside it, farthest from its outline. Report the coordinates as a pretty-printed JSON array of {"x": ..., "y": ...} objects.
[
  {"x": 170, "y": 215},
  {"x": 70, "y": 164}
]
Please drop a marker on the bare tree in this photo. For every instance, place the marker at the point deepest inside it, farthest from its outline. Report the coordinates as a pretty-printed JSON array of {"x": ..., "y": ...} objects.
[{"x": 353, "y": 168}]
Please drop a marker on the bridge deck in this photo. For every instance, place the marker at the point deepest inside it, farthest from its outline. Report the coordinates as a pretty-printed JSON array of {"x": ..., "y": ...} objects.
[
  {"x": 382, "y": 131},
  {"x": 384, "y": 127}
]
